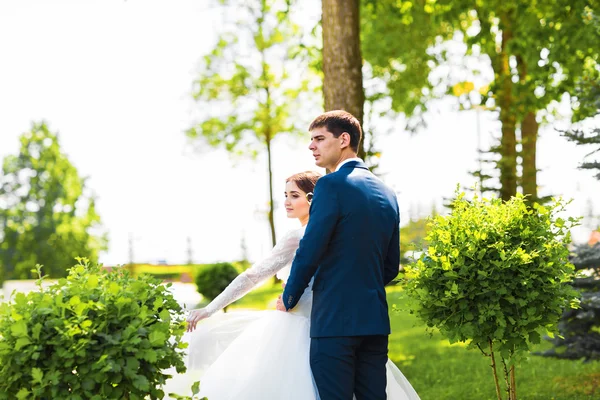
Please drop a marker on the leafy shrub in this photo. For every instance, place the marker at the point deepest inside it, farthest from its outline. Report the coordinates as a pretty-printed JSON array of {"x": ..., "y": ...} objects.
[
  {"x": 92, "y": 335},
  {"x": 165, "y": 275},
  {"x": 159, "y": 269},
  {"x": 214, "y": 278},
  {"x": 242, "y": 265},
  {"x": 495, "y": 275}
]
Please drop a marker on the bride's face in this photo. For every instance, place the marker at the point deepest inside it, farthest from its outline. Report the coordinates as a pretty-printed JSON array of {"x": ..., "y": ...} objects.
[{"x": 296, "y": 203}]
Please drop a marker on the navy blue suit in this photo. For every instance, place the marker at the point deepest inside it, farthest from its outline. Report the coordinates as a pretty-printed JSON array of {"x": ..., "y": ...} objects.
[{"x": 351, "y": 247}]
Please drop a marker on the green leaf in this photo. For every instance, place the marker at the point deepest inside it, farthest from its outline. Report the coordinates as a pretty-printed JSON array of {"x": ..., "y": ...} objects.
[
  {"x": 560, "y": 222},
  {"x": 37, "y": 375},
  {"x": 150, "y": 356},
  {"x": 19, "y": 328},
  {"x": 80, "y": 308},
  {"x": 23, "y": 394},
  {"x": 132, "y": 365},
  {"x": 196, "y": 388},
  {"x": 454, "y": 288},
  {"x": 141, "y": 382},
  {"x": 157, "y": 338},
  {"x": 75, "y": 300},
  {"x": 165, "y": 315},
  {"x": 92, "y": 282},
  {"x": 114, "y": 288}
]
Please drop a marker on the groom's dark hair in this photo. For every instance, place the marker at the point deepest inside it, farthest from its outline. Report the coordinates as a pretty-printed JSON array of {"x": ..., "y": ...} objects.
[{"x": 338, "y": 122}]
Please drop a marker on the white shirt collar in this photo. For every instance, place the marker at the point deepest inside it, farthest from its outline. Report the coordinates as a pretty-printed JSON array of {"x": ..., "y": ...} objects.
[{"x": 347, "y": 161}]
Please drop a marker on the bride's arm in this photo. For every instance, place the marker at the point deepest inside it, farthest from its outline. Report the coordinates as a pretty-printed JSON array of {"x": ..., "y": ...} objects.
[{"x": 281, "y": 255}]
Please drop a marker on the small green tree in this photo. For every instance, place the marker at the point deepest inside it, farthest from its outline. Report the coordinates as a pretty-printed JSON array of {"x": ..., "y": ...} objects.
[
  {"x": 252, "y": 87},
  {"x": 495, "y": 275},
  {"x": 93, "y": 335},
  {"x": 46, "y": 216},
  {"x": 212, "y": 279}
]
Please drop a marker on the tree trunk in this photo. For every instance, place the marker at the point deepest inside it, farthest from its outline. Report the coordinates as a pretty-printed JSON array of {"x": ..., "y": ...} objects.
[
  {"x": 342, "y": 59},
  {"x": 495, "y": 371},
  {"x": 271, "y": 203},
  {"x": 268, "y": 134},
  {"x": 529, "y": 133},
  {"x": 513, "y": 383},
  {"x": 508, "y": 142},
  {"x": 507, "y": 377}
]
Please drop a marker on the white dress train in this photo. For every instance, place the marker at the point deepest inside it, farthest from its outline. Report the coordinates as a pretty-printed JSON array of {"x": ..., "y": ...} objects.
[{"x": 261, "y": 355}]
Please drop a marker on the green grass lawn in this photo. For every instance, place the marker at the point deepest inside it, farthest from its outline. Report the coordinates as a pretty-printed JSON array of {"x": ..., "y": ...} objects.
[{"x": 438, "y": 370}]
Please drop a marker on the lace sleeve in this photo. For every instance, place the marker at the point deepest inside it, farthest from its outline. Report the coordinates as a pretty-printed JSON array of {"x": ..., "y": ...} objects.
[{"x": 281, "y": 255}]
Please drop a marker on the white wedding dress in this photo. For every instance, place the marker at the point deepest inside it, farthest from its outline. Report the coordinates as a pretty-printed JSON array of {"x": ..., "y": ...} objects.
[{"x": 260, "y": 355}]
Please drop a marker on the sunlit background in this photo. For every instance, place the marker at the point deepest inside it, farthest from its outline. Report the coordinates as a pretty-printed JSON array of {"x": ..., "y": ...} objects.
[{"x": 114, "y": 79}]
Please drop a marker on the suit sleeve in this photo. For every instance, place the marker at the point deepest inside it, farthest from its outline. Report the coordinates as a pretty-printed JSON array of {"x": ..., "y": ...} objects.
[
  {"x": 324, "y": 214},
  {"x": 392, "y": 260}
]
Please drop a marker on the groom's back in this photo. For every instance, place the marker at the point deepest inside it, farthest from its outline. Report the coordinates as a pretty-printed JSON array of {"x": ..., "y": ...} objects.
[{"x": 349, "y": 296}]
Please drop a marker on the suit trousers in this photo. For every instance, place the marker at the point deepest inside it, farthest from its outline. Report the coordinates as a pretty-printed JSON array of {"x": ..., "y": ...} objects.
[{"x": 344, "y": 366}]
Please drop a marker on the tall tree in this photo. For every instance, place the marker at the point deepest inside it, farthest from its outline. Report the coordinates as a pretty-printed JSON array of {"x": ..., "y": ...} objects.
[
  {"x": 46, "y": 217},
  {"x": 342, "y": 59},
  {"x": 590, "y": 95},
  {"x": 536, "y": 50},
  {"x": 250, "y": 88},
  {"x": 580, "y": 329}
]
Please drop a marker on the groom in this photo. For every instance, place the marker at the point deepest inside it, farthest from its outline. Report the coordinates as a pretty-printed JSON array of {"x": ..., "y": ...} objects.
[{"x": 351, "y": 248}]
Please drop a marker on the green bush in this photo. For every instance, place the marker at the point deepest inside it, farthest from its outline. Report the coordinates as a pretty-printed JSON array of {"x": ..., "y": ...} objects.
[
  {"x": 214, "y": 278},
  {"x": 92, "y": 335},
  {"x": 164, "y": 275},
  {"x": 495, "y": 275}
]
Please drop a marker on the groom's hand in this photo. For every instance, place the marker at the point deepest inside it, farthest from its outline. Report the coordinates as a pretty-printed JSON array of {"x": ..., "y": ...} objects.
[
  {"x": 195, "y": 317},
  {"x": 280, "y": 306}
]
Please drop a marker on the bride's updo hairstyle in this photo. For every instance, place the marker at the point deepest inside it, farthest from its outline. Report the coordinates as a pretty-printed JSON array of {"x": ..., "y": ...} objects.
[{"x": 306, "y": 182}]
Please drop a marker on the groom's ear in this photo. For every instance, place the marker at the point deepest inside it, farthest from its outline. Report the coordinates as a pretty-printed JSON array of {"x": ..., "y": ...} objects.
[{"x": 345, "y": 142}]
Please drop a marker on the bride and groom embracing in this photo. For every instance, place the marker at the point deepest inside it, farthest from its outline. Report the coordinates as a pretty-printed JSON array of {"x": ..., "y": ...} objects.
[{"x": 328, "y": 338}]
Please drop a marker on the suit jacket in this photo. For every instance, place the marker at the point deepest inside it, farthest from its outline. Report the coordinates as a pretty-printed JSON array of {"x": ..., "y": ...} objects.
[{"x": 352, "y": 248}]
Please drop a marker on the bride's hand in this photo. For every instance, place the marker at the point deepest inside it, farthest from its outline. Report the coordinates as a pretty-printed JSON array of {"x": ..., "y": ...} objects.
[{"x": 195, "y": 317}]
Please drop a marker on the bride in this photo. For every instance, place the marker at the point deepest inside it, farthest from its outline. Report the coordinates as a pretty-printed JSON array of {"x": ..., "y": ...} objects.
[{"x": 263, "y": 355}]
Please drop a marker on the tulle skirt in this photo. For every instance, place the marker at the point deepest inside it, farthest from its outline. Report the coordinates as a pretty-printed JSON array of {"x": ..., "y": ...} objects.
[{"x": 259, "y": 355}]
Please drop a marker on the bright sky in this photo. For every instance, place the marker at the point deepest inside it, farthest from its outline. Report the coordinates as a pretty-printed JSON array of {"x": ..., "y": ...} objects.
[{"x": 114, "y": 77}]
